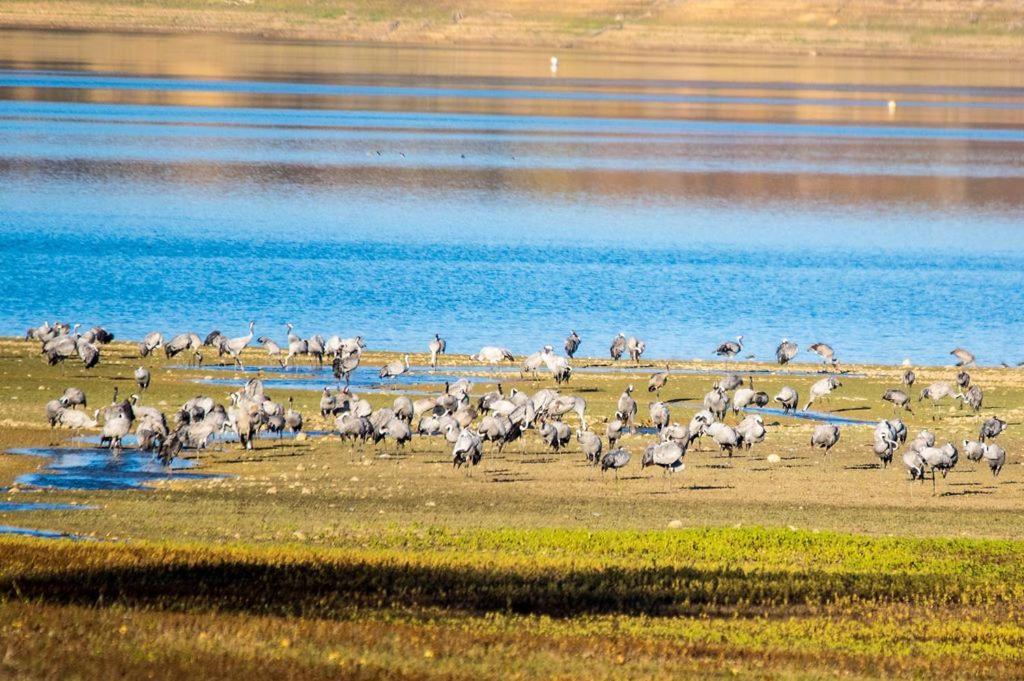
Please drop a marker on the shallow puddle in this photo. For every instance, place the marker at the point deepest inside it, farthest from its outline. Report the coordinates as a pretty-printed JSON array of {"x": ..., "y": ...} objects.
[{"x": 79, "y": 468}]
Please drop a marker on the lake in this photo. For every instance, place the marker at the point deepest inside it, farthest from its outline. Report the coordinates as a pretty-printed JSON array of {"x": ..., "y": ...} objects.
[{"x": 195, "y": 182}]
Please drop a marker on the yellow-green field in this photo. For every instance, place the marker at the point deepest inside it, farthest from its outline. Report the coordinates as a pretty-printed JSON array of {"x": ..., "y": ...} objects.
[{"x": 315, "y": 558}]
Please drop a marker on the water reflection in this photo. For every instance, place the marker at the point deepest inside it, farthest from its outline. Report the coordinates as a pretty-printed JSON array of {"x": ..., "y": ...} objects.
[{"x": 197, "y": 182}]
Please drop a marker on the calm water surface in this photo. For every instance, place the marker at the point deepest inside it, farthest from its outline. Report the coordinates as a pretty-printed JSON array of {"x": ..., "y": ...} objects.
[{"x": 187, "y": 183}]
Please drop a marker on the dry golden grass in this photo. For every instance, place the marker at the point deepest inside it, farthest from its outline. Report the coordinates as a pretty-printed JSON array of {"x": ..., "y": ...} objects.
[{"x": 993, "y": 29}]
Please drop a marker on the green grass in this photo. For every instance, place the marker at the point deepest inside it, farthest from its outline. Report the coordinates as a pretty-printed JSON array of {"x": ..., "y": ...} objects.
[{"x": 433, "y": 603}]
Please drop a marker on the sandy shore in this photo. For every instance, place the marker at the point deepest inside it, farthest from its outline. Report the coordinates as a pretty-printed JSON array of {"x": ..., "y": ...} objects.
[{"x": 943, "y": 28}]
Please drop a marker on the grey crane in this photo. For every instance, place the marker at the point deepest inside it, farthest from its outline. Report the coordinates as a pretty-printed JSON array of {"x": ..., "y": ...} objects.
[
  {"x": 343, "y": 366},
  {"x": 403, "y": 408},
  {"x": 53, "y": 409},
  {"x": 995, "y": 457},
  {"x": 142, "y": 377},
  {"x": 909, "y": 378},
  {"x": 821, "y": 389},
  {"x": 352, "y": 427},
  {"x": 789, "y": 398},
  {"x": 730, "y": 349},
  {"x": 884, "y": 443},
  {"x": 572, "y": 344},
  {"x": 973, "y": 398},
  {"x": 614, "y": 460},
  {"x": 973, "y": 449},
  {"x": 660, "y": 416},
  {"x": 315, "y": 349},
  {"x": 183, "y": 342},
  {"x": 398, "y": 430},
  {"x": 532, "y": 363},
  {"x": 936, "y": 392},
  {"x": 73, "y": 397},
  {"x": 590, "y": 444},
  {"x": 730, "y": 382},
  {"x": 558, "y": 366},
  {"x": 117, "y": 422},
  {"x": 436, "y": 347},
  {"x": 658, "y": 381},
  {"x": 963, "y": 379},
  {"x": 88, "y": 353},
  {"x": 151, "y": 341},
  {"x": 991, "y": 428},
  {"x": 941, "y": 459},
  {"x": 717, "y": 402},
  {"x": 786, "y": 351},
  {"x": 923, "y": 439},
  {"x": 468, "y": 448},
  {"x": 699, "y": 425},
  {"x": 752, "y": 430},
  {"x": 394, "y": 369},
  {"x": 745, "y": 397},
  {"x": 635, "y": 347},
  {"x": 627, "y": 407},
  {"x": 77, "y": 421},
  {"x": 725, "y": 436},
  {"x": 292, "y": 418},
  {"x": 618, "y": 346},
  {"x": 964, "y": 357},
  {"x": 235, "y": 346},
  {"x": 213, "y": 339},
  {"x": 98, "y": 335},
  {"x": 494, "y": 428},
  {"x": 554, "y": 434},
  {"x": 487, "y": 400},
  {"x": 898, "y": 399},
  {"x": 827, "y": 354},
  {"x": 898, "y": 430},
  {"x": 614, "y": 429},
  {"x": 274, "y": 350},
  {"x": 825, "y": 436},
  {"x": 328, "y": 402},
  {"x": 667, "y": 455},
  {"x": 914, "y": 465},
  {"x": 43, "y": 332},
  {"x": 676, "y": 433}
]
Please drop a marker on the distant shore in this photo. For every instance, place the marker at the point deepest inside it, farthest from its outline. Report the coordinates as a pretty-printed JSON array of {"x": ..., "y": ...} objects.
[{"x": 945, "y": 29}]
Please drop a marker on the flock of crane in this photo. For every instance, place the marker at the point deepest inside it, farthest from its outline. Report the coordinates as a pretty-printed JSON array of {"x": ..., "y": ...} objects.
[{"x": 498, "y": 417}]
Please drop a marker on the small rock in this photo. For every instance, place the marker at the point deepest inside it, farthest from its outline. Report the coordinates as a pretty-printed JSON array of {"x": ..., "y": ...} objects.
[
  {"x": 301, "y": 437},
  {"x": 774, "y": 458},
  {"x": 675, "y": 524},
  {"x": 271, "y": 490}
]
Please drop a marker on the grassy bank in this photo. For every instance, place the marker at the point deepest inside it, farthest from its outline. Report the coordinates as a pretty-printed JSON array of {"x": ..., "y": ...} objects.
[
  {"x": 318, "y": 558},
  {"x": 750, "y": 602},
  {"x": 952, "y": 28}
]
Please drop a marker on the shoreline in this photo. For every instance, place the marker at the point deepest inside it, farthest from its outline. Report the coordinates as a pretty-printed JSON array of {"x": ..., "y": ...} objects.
[
  {"x": 255, "y": 356},
  {"x": 951, "y": 31}
]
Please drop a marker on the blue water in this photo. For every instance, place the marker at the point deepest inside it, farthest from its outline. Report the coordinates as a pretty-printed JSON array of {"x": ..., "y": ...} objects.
[
  {"x": 32, "y": 532},
  {"x": 504, "y": 209},
  {"x": 78, "y": 468}
]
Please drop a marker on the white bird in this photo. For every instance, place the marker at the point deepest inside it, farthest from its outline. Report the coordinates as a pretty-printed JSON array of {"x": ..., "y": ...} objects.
[{"x": 492, "y": 354}]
